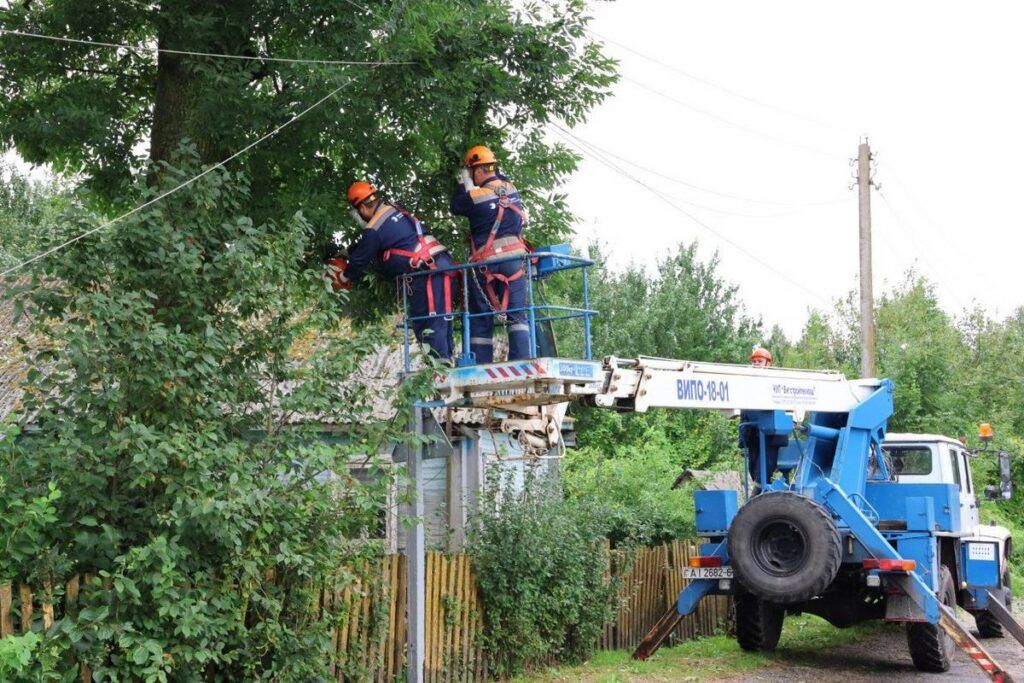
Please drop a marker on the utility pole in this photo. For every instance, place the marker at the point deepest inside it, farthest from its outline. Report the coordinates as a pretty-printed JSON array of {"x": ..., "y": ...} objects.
[
  {"x": 867, "y": 299},
  {"x": 415, "y": 556}
]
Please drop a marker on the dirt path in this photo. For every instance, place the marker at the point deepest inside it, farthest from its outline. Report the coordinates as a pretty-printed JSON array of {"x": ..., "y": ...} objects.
[{"x": 884, "y": 657}]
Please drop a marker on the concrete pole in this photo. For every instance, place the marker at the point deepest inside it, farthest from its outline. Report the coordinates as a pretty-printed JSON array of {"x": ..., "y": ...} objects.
[
  {"x": 867, "y": 299},
  {"x": 415, "y": 556}
]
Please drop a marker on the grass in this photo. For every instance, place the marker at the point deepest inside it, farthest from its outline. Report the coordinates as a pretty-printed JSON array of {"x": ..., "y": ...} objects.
[{"x": 714, "y": 658}]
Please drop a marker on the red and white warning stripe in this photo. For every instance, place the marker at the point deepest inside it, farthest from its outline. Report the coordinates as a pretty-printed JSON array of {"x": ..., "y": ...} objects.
[{"x": 525, "y": 368}]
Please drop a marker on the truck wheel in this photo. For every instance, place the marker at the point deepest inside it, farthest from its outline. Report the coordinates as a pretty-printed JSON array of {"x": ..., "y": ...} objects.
[
  {"x": 930, "y": 647},
  {"x": 784, "y": 547},
  {"x": 758, "y": 623},
  {"x": 988, "y": 625}
]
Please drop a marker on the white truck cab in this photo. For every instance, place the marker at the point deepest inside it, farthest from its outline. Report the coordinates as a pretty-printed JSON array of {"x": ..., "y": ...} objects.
[{"x": 935, "y": 459}]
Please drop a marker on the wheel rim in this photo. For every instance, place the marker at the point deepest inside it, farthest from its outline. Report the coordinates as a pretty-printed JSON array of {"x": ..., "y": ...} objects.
[{"x": 779, "y": 547}]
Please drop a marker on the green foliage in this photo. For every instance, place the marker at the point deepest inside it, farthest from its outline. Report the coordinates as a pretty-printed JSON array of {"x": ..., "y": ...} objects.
[
  {"x": 478, "y": 71},
  {"x": 636, "y": 490},
  {"x": 178, "y": 349},
  {"x": 29, "y": 212},
  {"x": 682, "y": 310},
  {"x": 541, "y": 564}
]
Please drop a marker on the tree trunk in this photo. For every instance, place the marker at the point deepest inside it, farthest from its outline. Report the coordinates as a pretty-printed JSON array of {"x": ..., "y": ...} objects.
[{"x": 176, "y": 105}]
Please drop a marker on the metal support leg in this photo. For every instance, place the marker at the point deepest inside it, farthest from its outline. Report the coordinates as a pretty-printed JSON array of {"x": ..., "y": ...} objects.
[
  {"x": 415, "y": 556},
  {"x": 997, "y": 609}
]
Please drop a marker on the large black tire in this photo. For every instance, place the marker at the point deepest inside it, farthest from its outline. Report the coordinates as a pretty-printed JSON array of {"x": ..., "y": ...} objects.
[
  {"x": 931, "y": 648},
  {"x": 988, "y": 625},
  {"x": 758, "y": 623},
  {"x": 784, "y": 547}
]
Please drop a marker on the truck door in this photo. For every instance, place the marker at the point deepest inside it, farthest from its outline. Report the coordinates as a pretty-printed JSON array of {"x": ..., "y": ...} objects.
[{"x": 969, "y": 517}]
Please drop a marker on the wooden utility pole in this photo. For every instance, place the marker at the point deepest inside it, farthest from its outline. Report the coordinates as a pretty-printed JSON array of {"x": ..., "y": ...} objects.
[{"x": 867, "y": 299}]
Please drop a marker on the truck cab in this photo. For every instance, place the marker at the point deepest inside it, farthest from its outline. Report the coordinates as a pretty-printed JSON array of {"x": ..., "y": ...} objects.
[{"x": 935, "y": 459}]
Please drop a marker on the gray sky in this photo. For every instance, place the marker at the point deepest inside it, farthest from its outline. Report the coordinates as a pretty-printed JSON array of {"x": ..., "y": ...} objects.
[{"x": 931, "y": 84}]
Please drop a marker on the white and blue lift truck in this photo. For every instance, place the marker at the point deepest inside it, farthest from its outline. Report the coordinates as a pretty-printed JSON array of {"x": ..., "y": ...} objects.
[{"x": 850, "y": 524}]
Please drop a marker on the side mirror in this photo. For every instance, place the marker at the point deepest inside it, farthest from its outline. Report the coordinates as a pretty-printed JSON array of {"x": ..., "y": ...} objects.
[{"x": 1005, "y": 478}]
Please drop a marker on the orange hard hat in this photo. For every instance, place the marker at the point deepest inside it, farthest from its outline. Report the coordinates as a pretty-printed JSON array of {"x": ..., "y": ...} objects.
[
  {"x": 479, "y": 155},
  {"x": 761, "y": 352},
  {"x": 359, "y": 192}
]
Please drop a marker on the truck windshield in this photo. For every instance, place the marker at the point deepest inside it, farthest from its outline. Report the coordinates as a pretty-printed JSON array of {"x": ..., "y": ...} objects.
[{"x": 910, "y": 459}]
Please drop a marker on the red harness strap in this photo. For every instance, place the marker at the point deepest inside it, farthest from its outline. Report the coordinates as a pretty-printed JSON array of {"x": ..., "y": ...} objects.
[
  {"x": 488, "y": 250},
  {"x": 424, "y": 257}
]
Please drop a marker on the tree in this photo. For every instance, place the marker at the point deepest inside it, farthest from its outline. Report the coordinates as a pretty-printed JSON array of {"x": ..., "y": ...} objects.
[
  {"x": 173, "y": 363},
  {"x": 29, "y": 212},
  {"x": 684, "y": 310},
  {"x": 465, "y": 72}
]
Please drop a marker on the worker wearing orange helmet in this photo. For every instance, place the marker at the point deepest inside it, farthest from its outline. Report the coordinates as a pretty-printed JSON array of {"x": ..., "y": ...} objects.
[
  {"x": 761, "y": 357},
  {"x": 496, "y": 219},
  {"x": 399, "y": 241},
  {"x": 750, "y": 439}
]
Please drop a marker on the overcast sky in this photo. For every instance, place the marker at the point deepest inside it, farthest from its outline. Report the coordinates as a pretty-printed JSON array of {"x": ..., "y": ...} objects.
[{"x": 935, "y": 85}]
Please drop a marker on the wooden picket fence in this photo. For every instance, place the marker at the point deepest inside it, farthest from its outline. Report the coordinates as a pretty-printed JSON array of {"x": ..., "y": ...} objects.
[
  {"x": 651, "y": 581},
  {"x": 368, "y": 643}
]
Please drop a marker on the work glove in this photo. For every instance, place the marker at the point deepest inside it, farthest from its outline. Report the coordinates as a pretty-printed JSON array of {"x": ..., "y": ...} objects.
[
  {"x": 336, "y": 274},
  {"x": 466, "y": 180}
]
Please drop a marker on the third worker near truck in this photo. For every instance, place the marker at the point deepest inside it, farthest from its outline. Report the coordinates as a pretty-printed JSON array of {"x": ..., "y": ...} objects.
[{"x": 496, "y": 220}]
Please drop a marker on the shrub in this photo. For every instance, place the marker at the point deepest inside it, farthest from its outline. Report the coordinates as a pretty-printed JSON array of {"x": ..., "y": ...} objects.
[{"x": 541, "y": 562}]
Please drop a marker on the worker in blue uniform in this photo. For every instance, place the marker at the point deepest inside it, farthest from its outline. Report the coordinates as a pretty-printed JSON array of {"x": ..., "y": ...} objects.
[
  {"x": 496, "y": 219},
  {"x": 398, "y": 240},
  {"x": 750, "y": 437}
]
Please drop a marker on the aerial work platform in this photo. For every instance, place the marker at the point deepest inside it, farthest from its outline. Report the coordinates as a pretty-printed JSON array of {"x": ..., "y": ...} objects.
[{"x": 532, "y": 382}]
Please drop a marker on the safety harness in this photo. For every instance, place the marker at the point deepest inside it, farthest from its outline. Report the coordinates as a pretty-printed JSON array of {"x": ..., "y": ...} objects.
[
  {"x": 423, "y": 257},
  {"x": 494, "y": 247}
]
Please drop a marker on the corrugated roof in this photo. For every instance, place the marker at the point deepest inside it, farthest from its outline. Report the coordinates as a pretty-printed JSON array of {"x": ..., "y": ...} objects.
[{"x": 13, "y": 365}]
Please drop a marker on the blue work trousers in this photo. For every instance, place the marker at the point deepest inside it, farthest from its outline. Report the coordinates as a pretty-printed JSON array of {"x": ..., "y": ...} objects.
[
  {"x": 435, "y": 331},
  {"x": 492, "y": 290}
]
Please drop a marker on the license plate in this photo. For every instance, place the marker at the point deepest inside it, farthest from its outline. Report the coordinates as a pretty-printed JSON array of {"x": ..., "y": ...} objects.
[{"x": 707, "y": 572}]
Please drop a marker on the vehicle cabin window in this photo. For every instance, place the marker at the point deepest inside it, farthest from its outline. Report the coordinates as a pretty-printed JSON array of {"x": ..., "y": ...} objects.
[
  {"x": 956, "y": 466},
  {"x": 910, "y": 460},
  {"x": 967, "y": 470}
]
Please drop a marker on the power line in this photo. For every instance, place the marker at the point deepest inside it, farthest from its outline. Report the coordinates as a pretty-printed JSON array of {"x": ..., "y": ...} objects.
[
  {"x": 569, "y": 137},
  {"x": 700, "y": 188},
  {"x": 183, "y": 185},
  {"x": 921, "y": 248},
  {"x": 721, "y": 88},
  {"x": 218, "y": 55},
  {"x": 940, "y": 227},
  {"x": 598, "y": 150},
  {"x": 734, "y": 124}
]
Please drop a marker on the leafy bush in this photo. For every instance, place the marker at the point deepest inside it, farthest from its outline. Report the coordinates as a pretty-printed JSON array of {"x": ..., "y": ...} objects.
[
  {"x": 541, "y": 563},
  {"x": 180, "y": 346},
  {"x": 631, "y": 462}
]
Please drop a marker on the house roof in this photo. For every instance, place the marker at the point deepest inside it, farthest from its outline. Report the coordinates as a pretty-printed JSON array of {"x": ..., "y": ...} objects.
[
  {"x": 711, "y": 480},
  {"x": 13, "y": 365}
]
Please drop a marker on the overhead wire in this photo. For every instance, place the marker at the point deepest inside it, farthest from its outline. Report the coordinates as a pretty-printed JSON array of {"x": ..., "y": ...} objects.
[
  {"x": 920, "y": 248},
  {"x": 179, "y": 187},
  {"x": 939, "y": 227},
  {"x": 571, "y": 139},
  {"x": 193, "y": 53},
  {"x": 734, "y": 124},
  {"x": 722, "y": 88},
  {"x": 686, "y": 183},
  {"x": 688, "y": 202}
]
